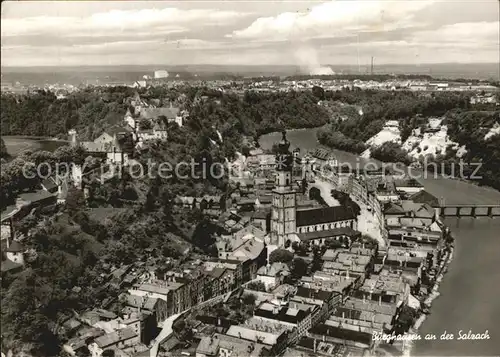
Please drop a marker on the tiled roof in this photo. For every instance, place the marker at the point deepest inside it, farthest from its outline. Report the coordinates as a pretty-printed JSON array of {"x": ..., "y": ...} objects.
[
  {"x": 425, "y": 197},
  {"x": 251, "y": 249},
  {"x": 15, "y": 247},
  {"x": 274, "y": 269},
  {"x": 393, "y": 208},
  {"x": 261, "y": 214},
  {"x": 316, "y": 294},
  {"x": 49, "y": 184},
  {"x": 115, "y": 337},
  {"x": 323, "y": 215},
  {"x": 34, "y": 197},
  {"x": 8, "y": 265}
]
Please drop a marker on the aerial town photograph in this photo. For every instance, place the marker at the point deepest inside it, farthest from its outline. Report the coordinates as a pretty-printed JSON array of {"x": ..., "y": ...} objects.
[{"x": 250, "y": 178}]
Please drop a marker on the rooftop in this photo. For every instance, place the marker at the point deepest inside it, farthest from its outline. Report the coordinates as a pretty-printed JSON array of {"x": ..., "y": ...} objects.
[
  {"x": 115, "y": 337},
  {"x": 9, "y": 265},
  {"x": 250, "y": 250},
  {"x": 385, "y": 283},
  {"x": 425, "y": 197},
  {"x": 371, "y": 306},
  {"x": 323, "y": 215},
  {"x": 162, "y": 289},
  {"x": 34, "y": 197},
  {"x": 314, "y": 293},
  {"x": 258, "y": 323},
  {"x": 274, "y": 269},
  {"x": 281, "y": 313},
  {"x": 329, "y": 282},
  {"x": 15, "y": 247},
  {"x": 354, "y": 325},
  {"x": 249, "y": 334},
  {"x": 210, "y": 346}
]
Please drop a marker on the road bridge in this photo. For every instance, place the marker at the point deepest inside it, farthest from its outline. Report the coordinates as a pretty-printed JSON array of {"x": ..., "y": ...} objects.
[{"x": 469, "y": 210}]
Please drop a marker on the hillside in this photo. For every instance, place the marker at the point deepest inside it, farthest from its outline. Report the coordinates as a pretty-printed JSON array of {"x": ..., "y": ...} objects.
[{"x": 406, "y": 127}]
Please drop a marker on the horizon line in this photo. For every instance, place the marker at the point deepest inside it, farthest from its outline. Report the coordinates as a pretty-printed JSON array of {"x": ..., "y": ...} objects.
[{"x": 250, "y": 65}]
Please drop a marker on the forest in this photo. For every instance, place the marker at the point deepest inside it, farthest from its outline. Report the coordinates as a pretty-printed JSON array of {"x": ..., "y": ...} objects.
[{"x": 123, "y": 220}]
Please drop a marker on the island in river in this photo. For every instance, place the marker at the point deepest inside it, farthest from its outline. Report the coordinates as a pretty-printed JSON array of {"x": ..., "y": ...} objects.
[{"x": 469, "y": 293}]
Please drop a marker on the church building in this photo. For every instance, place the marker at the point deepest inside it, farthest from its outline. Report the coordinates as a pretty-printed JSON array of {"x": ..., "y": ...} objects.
[{"x": 313, "y": 224}]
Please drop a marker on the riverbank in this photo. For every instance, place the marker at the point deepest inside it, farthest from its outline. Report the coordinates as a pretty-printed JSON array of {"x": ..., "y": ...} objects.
[
  {"x": 467, "y": 297},
  {"x": 427, "y": 302},
  {"x": 15, "y": 145}
]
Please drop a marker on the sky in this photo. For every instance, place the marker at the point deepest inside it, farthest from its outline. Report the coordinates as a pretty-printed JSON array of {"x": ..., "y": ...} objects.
[{"x": 237, "y": 32}]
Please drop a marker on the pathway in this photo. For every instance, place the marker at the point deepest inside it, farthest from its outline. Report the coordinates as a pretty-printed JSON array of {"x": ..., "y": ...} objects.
[{"x": 165, "y": 332}]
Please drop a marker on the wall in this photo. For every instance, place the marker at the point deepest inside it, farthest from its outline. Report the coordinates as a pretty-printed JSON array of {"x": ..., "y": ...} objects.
[{"x": 327, "y": 226}]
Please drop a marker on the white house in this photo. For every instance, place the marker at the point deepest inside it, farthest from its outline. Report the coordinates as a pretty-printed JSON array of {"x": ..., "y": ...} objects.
[{"x": 272, "y": 275}]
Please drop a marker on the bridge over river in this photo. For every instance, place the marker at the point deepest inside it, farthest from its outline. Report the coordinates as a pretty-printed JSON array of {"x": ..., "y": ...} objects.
[{"x": 468, "y": 210}]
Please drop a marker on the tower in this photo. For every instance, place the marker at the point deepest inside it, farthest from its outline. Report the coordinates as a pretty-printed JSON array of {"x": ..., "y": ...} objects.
[
  {"x": 283, "y": 216},
  {"x": 73, "y": 140}
]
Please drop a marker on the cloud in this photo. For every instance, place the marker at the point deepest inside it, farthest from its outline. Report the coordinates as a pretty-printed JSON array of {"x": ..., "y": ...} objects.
[
  {"x": 117, "y": 22},
  {"x": 335, "y": 32},
  {"x": 334, "y": 19},
  {"x": 460, "y": 34}
]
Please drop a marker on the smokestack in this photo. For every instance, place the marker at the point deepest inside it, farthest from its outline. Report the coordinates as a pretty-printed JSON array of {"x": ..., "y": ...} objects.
[{"x": 371, "y": 68}]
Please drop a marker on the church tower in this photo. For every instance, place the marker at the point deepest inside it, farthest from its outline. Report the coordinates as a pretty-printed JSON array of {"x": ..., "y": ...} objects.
[{"x": 283, "y": 215}]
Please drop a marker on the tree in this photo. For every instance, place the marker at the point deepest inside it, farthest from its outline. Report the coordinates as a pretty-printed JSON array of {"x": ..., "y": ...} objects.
[
  {"x": 318, "y": 92},
  {"x": 182, "y": 329},
  {"x": 280, "y": 255},
  {"x": 75, "y": 201},
  {"x": 3, "y": 150},
  {"x": 390, "y": 152},
  {"x": 249, "y": 299},
  {"x": 145, "y": 124},
  {"x": 299, "y": 267},
  {"x": 256, "y": 285}
]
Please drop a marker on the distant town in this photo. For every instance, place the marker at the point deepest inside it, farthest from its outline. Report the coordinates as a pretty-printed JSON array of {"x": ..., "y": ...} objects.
[{"x": 238, "y": 84}]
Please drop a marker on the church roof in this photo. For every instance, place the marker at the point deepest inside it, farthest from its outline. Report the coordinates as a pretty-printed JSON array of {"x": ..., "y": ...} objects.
[{"x": 323, "y": 215}]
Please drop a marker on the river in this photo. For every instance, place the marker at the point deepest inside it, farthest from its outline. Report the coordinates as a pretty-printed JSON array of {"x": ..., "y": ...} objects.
[
  {"x": 470, "y": 291},
  {"x": 17, "y": 144}
]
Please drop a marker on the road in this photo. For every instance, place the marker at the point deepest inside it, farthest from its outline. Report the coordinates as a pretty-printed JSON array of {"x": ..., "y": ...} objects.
[
  {"x": 168, "y": 323},
  {"x": 326, "y": 191},
  {"x": 165, "y": 332}
]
